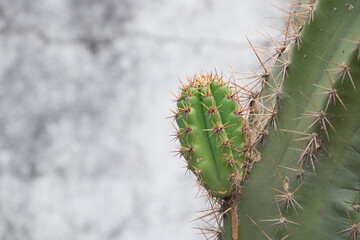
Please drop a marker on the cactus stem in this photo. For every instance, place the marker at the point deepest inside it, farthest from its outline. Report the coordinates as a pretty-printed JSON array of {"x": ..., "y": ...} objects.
[{"x": 222, "y": 156}]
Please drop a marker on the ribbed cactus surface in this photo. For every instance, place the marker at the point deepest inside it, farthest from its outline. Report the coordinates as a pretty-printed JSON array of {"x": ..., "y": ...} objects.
[
  {"x": 308, "y": 180},
  {"x": 209, "y": 121}
]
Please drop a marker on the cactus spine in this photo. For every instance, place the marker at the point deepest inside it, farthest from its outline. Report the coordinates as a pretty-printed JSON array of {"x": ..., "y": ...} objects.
[{"x": 305, "y": 122}]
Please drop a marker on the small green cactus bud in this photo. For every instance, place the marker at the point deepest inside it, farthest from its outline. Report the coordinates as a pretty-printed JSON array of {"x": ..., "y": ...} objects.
[{"x": 210, "y": 133}]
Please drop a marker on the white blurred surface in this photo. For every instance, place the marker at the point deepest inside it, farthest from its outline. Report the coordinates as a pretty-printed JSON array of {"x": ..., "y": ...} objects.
[{"x": 85, "y": 151}]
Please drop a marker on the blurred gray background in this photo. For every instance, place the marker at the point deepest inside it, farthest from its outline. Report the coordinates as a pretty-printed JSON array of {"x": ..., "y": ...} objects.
[{"x": 85, "y": 151}]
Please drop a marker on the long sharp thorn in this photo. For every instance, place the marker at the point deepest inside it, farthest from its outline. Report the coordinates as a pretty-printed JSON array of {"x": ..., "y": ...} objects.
[
  {"x": 310, "y": 101},
  {"x": 259, "y": 228},
  {"x": 252, "y": 47},
  {"x": 278, "y": 172}
]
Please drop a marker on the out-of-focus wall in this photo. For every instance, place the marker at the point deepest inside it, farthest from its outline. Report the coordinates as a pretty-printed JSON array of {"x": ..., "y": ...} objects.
[{"x": 84, "y": 143}]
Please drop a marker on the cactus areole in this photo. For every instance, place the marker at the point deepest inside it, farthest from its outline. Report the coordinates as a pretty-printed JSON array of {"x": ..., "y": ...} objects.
[{"x": 285, "y": 162}]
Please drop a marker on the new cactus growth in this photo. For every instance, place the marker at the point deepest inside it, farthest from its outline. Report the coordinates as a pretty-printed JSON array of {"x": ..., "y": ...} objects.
[
  {"x": 209, "y": 132},
  {"x": 305, "y": 122}
]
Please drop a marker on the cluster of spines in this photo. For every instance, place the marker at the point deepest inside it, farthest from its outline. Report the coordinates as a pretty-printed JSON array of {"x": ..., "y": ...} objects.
[{"x": 209, "y": 129}]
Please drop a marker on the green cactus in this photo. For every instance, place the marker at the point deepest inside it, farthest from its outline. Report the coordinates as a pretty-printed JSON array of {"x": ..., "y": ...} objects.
[
  {"x": 305, "y": 123},
  {"x": 209, "y": 121}
]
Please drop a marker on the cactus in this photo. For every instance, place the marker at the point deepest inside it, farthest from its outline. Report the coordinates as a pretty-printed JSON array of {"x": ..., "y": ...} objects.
[
  {"x": 210, "y": 134},
  {"x": 305, "y": 123}
]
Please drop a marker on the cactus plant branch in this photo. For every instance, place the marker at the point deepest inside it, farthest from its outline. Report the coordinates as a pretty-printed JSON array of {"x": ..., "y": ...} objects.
[
  {"x": 292, "y": 170},
  {"x": 322, "y": 45}
]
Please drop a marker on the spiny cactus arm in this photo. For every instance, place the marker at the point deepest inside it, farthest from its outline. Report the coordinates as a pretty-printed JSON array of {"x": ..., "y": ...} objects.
[
  {"x": 205, "y": 112},
  {"x": 325, "y": 196},
  {"x": 333, "y": 190},
  {"x": 196, "y": 146},
  {"x": 326, "y": 50}
]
